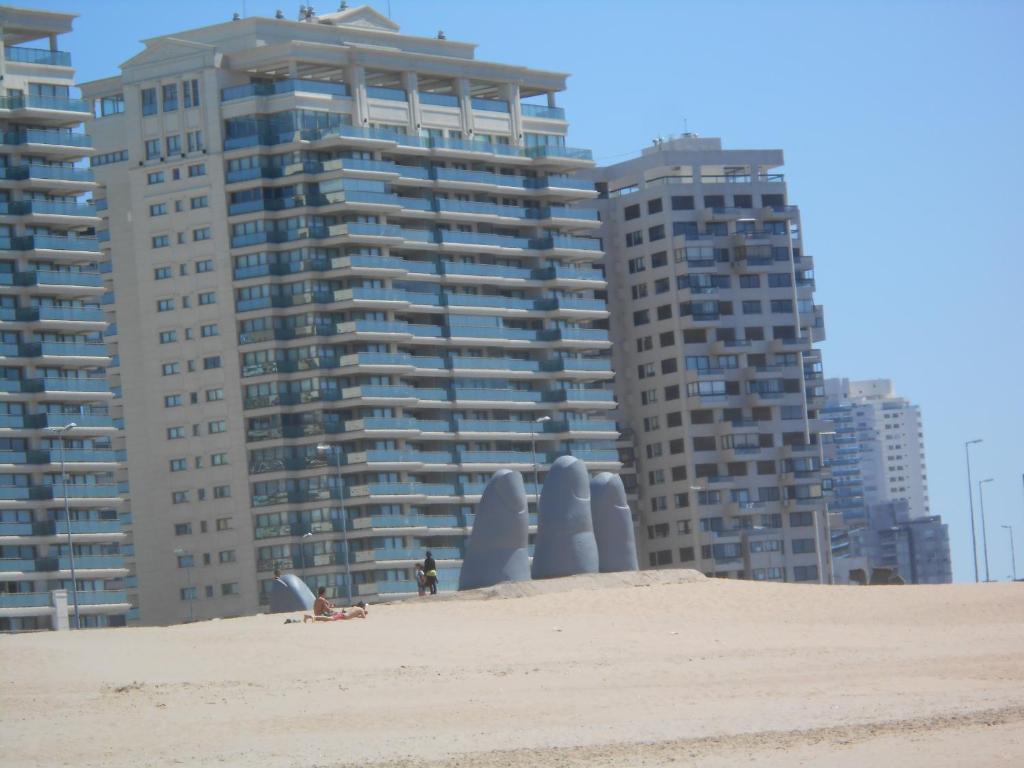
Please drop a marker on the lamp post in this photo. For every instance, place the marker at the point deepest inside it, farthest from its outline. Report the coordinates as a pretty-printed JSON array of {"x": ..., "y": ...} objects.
[
  {"x": 970, "y": 495},
  {"x": 1013, "y": 555},
  {"x": 61, "y": 432},
  {"x": 302, "y": 556},
  {"x": 533, "y": 450},
  {"x": 828, "y": 523},
  {"x": 188, "y": 575},
  {"x": 326, "y": 448},
  {"x": 984, "y": 534}
]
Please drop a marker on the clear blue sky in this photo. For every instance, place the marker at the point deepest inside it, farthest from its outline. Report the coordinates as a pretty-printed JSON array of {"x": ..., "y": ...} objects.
[{"x": 903, "y": 127}]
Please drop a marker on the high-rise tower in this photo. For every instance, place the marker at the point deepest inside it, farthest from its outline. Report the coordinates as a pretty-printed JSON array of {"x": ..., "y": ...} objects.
[
  {"x": 54, "y": 397},
  {"x": 717, "y": 377},
  {"x": 349, "y": 286}
]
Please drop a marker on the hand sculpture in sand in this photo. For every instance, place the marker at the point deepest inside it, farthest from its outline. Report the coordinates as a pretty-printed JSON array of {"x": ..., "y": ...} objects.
[{"x": 583, "y": 526}]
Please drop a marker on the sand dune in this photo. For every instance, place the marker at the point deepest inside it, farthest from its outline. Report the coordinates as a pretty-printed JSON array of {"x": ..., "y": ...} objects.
[{"x": 651, "y": 669}]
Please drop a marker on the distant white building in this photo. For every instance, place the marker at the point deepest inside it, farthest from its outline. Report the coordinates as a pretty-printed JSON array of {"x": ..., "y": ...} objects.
[{"x": 878, "y": 453}]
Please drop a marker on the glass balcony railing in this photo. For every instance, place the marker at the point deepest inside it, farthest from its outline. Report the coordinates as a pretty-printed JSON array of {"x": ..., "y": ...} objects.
[
  {"x": 284, "y": 86},
  {"x": 43, "y": 136},
  {"x": 542, "y": 110},
  {"x": 46, "y": 207},
  {"x": 567, "y": 153},
  {"x": 489, "y": 105},
  {"x": 33, "y": 101},
  {"x": 438, "y": 99},
  {"x": 387, "y": 94},
  {"x": 37, "y": 56},
  {"x": 55, "y": 243}
]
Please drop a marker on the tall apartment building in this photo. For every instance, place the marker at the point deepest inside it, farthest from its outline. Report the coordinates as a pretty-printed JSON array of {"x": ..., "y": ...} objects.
[
  {"x": 328, "y": 233},
  {"x": 53, "y": 391},
  {"x": 877, "y": 453},
  {"x": 716, "y": 371},
  {"x": 880, "y": 509}
]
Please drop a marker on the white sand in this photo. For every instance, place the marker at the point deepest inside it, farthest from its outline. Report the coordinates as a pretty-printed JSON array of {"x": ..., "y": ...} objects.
[{"x": 651, "y": 669}]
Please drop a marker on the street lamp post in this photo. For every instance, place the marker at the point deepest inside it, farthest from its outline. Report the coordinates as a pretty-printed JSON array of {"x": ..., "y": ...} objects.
[
  {"x": 302, "y": 556},
  {"x": 970, "y": 495},
  {"x": 1013, "y": 554},
  {"x": 188, "y": 576},
  {"x": 828, "y": 523},
  {"x": 326, "y": 448},
  {"x": 61, "y": 432},
  {"x": 533, "y": 450},
  {"x": 984, "y": 534}
]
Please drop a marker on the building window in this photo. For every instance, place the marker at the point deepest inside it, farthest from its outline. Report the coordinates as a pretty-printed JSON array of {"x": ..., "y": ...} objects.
[
  {"x": 190, "y": 93},
  {"x": 211, "y": 362},
  {"x": 656, "y": 233},
  {"x": 156, "y": 177},
  {"x": 219, "y": 459},
  {"x": 631, "y": 212},
  {"x": 158, "y": 209},
  {"x": 170, "y": 369},
  {"x": 168, "y": 337},
  {"x": 207, "y": 331},
  {"x": 209, "y": 297},
  {"x": 199, "y": 202},
  {"x": 202, "y": 233},
  {"x": 223, "y": 524},
  {"x": 214, "y": 395},
  {"x": 179, "y": 497},
  {"x": 641, "y": 317},
  {"x": 183, "y": 529},
  {"x": 682, "y": 202},
  {"x": 195, "y": 141},
  {"x": 149, "y": 101},
  {"x": 160, "y": 241},
  {"x": 173, "y": 144},
  {"x": 162, "y": 273},
  {"x": 634, "y": 238},
  {"x": 222, "y": 491},
  {"x": 175, "y": 433},
  {"x": 179, "y": 465},
  {"x": 197, "y": 170},
  {"x": 206, "y": 265},
  {"x": 165, "y": 305},
  {"x": 170, "y": 97},
  {"x": 152, "y": 148},
  {"x": 229, "y": 589},
  {"x": 639, "y": 291},
  {"x": 639, "y": 264},
  {"x": 216, "y": 427}
]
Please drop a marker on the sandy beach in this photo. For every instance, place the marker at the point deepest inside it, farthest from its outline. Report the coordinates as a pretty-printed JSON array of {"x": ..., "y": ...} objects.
[{"x": 650, "y": 669}]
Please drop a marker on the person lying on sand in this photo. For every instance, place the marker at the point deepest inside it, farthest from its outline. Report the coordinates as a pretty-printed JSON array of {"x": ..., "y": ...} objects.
[{"x": 324, "y": 610}]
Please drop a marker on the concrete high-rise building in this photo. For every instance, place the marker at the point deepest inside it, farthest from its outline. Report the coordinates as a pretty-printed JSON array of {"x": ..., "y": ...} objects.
[
  {"x": 328, "y": 233},
  {"x": 880, "y": 509},
  {"x": 914, "y": 548},
  {"x": 54, "y": 397},
  {"x": 877, "y": 453},
  {"x": 717, "y": 377}
]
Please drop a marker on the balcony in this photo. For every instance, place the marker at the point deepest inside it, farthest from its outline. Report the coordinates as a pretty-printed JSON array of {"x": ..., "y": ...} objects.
[
  {"x": 48, "y": 137},
  {"x": 567, "y": 242},
  {"x": 561, "y": 153},
  {"x": 449, "y": 237},
  {"x": 282, "y": 87},
  {"x": 54, "y": 103},
  {"x": 43, "y": 56},
  {"x": 55, "y": 243},
  {"x": 81, "y": 420},
  {"x": 42, "y": 277},
  {"x": 543, "y": 111},
  {"x": 48, "y": 208}
]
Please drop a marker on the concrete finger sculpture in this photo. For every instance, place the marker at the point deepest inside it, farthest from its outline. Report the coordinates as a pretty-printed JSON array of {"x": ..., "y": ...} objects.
[
  {"x": 613, "y": 524},
  {"x": 565, "y": 531},
  {"x": 497, "y": 547},
  {"x": 289, "y": 593}
]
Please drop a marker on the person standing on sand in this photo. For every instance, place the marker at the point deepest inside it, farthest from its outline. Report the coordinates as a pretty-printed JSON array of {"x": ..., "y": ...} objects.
[
  {"x": 431, "y": 571},
  {"x": 421, "y": 579}
]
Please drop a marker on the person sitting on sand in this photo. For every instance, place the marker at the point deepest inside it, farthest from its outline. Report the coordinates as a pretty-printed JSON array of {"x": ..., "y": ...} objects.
[{"x": 324, "y": 610}]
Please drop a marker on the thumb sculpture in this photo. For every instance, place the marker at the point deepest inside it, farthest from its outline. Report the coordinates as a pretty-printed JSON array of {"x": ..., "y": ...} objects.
[
  {"x": 613, "y": 524},
  {"x": 289, "y": 593},
  {"x": 565, "y": 531},
  {"x": 497, "y": 547}
]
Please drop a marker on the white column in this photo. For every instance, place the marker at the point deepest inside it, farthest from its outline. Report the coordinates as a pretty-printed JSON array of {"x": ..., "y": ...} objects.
[{"x": 61, "y": 622}]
